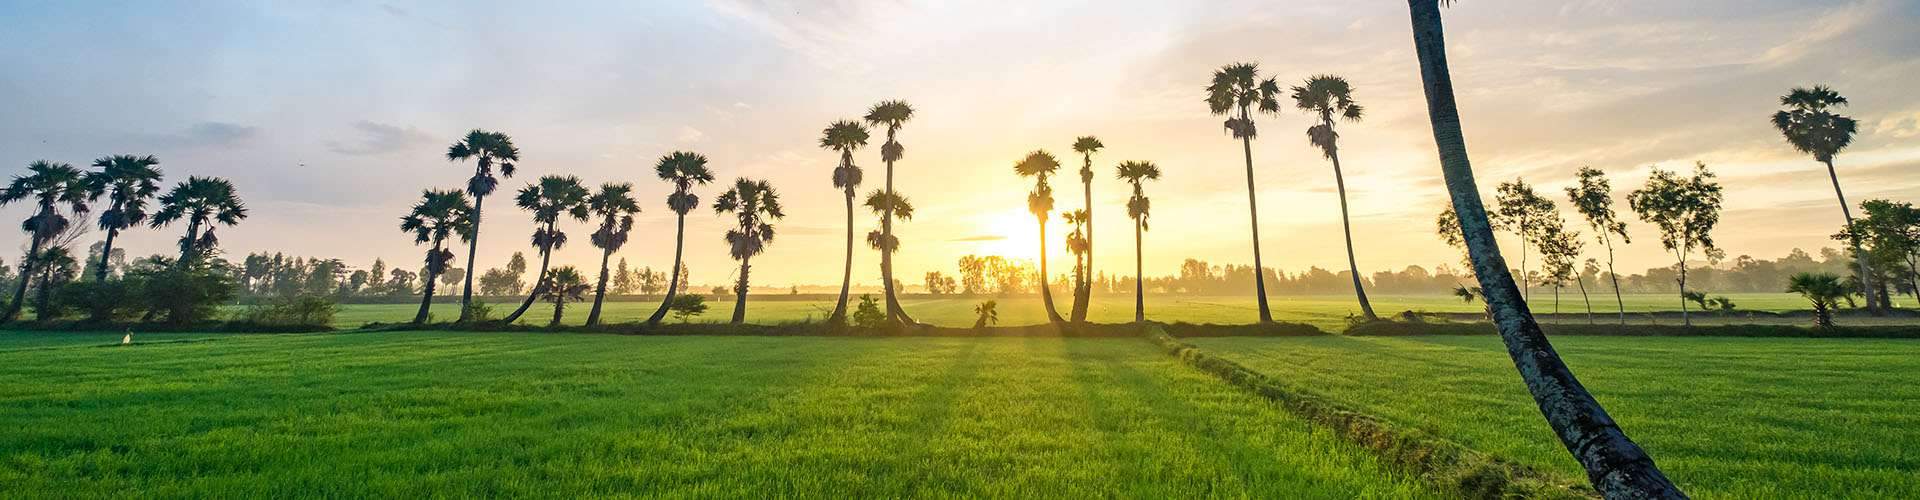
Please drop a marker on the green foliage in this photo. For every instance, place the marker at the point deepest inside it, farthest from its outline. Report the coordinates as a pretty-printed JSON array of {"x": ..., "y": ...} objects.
[
  {"x": 297, "y": 310},
  {"x": 479, "y": 312},
  {"x": 986, "y": 314},
  {"x": 184, "y": 294},
  {"x": 868, "y": 314},
  {"x": 1823, "y": 290},
  {"x": 686, "y": 306},
  {"x": 113, "y": 300}
]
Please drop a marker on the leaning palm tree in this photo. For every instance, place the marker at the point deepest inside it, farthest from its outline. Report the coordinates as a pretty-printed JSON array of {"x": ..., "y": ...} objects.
[
  {"x": 1327, "y": 96},
  {"x": 561, "y": 286},
  {"x": 1237, "y": 91},
  {"x": 438, "y": 214},
  {"x": 1039, "y": 165},
  {"x": 128, "y": 182},
  {"x": 845, "y": 136},
  {"x": 548, "y": 199},
  {"x": 201, "y": 201},
  {"x": 1811, "y": 126},
  {"x": 615, "y": 206},
  {"x": 1138, "y": 206},
  {"x": 1083, "y": 286},
  {"x": 1616, "y": 466},
  {"x": 487, "y": 150},
  {"x": 50, "y": 185},
  {"x": 890, "y": 114},
  {"x": 684, "y": 170},
  {"x": 753, "y": 203}
]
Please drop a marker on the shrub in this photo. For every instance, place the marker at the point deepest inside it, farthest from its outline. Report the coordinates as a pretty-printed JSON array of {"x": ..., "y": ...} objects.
[
  {"x": 103, "y": 302},
  {"x": 687, "y": 306},
  {"x": 868, "y": 314},
  {"x": 299, "y": 310},
  {"x": 186, "y": 294},
  {"x": 478, "y": 312}
]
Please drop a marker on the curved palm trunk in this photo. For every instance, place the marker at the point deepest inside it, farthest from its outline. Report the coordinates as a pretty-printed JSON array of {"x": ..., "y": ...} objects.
[
  {"x": 473, "y": 247},
  {"x": 1346, "y": 229},
  {"x": 600, "y": 289},
  {"x": 1616, "y": 466},
  {"x": 1616, "y": 282},
  {"x": 839, "y": 316},
  {"x": 1859, "y": 257},
  {"x": 1139, "y": 279},
  {"x": 740, "y": 293},
  {"x": 106, "y": 253},
  {"x": 27, "y": 266},
  {"x": 673, "y": 275},
  {"x": 1253, "y": 213},
  {"x": 426, "y": 299},
  {"x": 540, "y": 280},
  {"x": 1046, "y": 290},
  {"x": 1083, "y": 288}
]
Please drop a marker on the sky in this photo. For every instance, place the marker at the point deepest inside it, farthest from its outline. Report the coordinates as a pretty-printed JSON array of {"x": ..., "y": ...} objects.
[{"x": 331, "y": 117}]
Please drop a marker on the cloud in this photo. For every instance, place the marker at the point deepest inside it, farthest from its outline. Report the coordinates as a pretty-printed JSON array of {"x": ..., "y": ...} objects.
[
  {"x": 207, "y": 134},
  {"x": 689, "y": 134},
  {"x": 983, "y": 237},
  {"x": 379, "y": 138}
]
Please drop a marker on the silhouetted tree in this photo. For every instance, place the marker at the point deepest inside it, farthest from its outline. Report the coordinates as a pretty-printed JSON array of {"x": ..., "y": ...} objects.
[
  {"x": 1082, "y": 285},
  {"x": 1236, "y": 91},
  {"x": 487, "y": 150},
  {"x": 128, "y": 182},
  {"x": 1685, "y": 211},
  {"x": 1892, "y": 232},
  {"x": 549, "y": 198},
  {"x": 1525, "y": 213},
  {"x": 1327, "y": 96},
  {"x": 683, "y": 170},
  {"x": 615, "y": 206},
  {"x": 1811, "y": 126},
  {"x": 1823, "y": 290},
  {"x": 1139, "y": 207},
  {"x": 201, "y": 201},
  {"x": 437, "y": 215},
  {"x": 845, "y": 136},
  {"x": 890, "y": 114},
  {"x": 561, "y": 286},
  {"x": 50, "y": 185},
  {"x": 1039, "y": 165},
  {"x": 753, "y": 203},
  {"x": 1594, "y": 199}
]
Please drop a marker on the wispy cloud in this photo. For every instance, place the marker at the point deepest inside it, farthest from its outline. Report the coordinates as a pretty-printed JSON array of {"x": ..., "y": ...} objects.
[{"x": 380, "y": 138}]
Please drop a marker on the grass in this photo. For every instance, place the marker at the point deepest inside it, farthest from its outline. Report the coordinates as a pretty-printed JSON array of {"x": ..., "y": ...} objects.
[
  {"x": 1724, "y": 417},
  {"x": 467, "y": 414},
  {"x": 1329, "y": 312}
]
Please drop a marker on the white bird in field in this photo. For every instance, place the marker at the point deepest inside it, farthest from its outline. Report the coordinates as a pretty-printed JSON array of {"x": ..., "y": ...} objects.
[{"x": 127, "y": 339}]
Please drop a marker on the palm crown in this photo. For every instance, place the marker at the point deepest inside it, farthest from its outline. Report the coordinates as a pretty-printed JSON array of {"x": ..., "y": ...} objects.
[
  {"x": 1136, "y": 173},
  {"x": 438, "y": 214},
  {"x": 1810, "y": 125},
  {"x": 564, "y": 284},
  {"x": 683, "y": 169},
  {"x": 488, "y": 150},
  {"x": 1038, "y": 165},
  {"x": 1238, "y": 87},
  {"x": 1326, "y": 96},
  {"x": 753, "y": 202},
  {"x": 199, "y": 200},
  {"x": 890, "y": 114},
  {"x": 880, "y": 202},
  {"x": 1087, "y": 146},
  {"x": 845, "y": 136},
  {"x": 548, "y": 199},
  {"x": 50, "y": 184},
  {"x": 128, "y": 181},
  {"x": 615, "y": 205}
]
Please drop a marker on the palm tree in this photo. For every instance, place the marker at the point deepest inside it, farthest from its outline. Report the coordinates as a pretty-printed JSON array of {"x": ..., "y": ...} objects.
[
  {"x": 683, "y": 169},
  {"x": 752, "y": 203},
  {"x": 1083, "y": 287},
  {"x": 1616, "y": 466},
  {"x": 845, "y": 136},
  {"x": 1236, "y": 92},
  {"x": 548, "y": 199},
  {"x": 561, "y": 286},
  {"x": 883, "y": 203},
  {"x": 50, "y": 185},
  {"x": 128, "y": 181},
  {"x": 1138, "y": 206},
  {"x": 1077, "y": 245},
  {"x": 438, "y": 214},
  {"x": 891, "y": 114},
  {"x": 615, "y": 206},
  {"x": 1811, "y": 126},
  {"x": 1039, "y": 165},
  {"x": 487, "y": 150},
  {"x": 55, "y": 268},
  {"x": 201, "y": 201},
  {"x": 1823, "y": 290},
  {"x": 1327, "y": 96}
]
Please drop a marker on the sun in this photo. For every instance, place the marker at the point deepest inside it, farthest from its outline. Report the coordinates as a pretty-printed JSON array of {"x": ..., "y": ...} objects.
[{"x": 1017, "y": 235}]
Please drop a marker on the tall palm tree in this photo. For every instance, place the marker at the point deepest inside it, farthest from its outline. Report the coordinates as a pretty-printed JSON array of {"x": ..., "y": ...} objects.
[
  {"x": 1138, "y": 207},
  {"x": 890, "y": 114},
  {"x": 487, "y": 150},
  {"x": 684, "y": 170},
  {"x": 1039, "y": 165},
  {"x": 438, "y": 214},
  {"x": 1083, "y": 285},
  {"x": 50, "y": 185},
  {"x": 128, "y": 182},
  {"x": 549, "y": 198},
  {"x": 1236, "y": 92},
  {"x": 1616, "y": 466},
  {"x": 615, "y": 206},
  {"x": 1327, "y": 96},
  {"x": 845, "y": 136},
  {"x": 1811, "y": 126},
  {"x": 753, "y": 203},
  {"x": 201, "y": 201}
]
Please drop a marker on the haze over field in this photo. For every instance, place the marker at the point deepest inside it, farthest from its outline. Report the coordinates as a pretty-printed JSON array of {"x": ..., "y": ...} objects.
[{"x": 329, "y": 118}]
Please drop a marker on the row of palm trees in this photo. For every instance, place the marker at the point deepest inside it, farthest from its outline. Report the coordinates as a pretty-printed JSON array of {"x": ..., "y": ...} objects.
[{"x": 129, "y": 183}]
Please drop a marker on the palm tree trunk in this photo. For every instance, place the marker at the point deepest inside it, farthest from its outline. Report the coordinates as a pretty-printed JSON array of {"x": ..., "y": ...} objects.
[
  {"x": 1046, "y": 290},
  {"x": 106, "y": 252},
  {"x": 673, "y": 275},
  {"x": 1083, "y": 288},
  {"x": 187, "y": 245},
  {"x": 473, "y": 247},
  {"x": 600, "y": 290},
  {"x": 740, "y": 294},
  {"x": 1616, "y": 466},
  {"x": 426, "y": 299},
  {"x": 1253, "y": 214},
  {"x": 26, "y": 276},
  {"x": 1616, "y": 282},
  {"x": 839, "y": 316},
  {"x": 559, "y": 310},
  {"x": 1139, "y": 279},
  {"x": 1859, "y": 256},
  {"x": 895, "y": 314},
  {"x": 1346, "y": 228},
  {"x": 540, "y": 280}
]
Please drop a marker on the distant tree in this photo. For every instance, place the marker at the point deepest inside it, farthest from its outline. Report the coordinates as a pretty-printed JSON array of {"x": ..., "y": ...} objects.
[
  {"x": 940, "y": 284},
  {"x": 1811, "y": 126},
  {"x": 1083, "y": 282},
  {"x": 377, "y": 278},
  {"x": 1560, "y": 255},
  {"x": 973, "y": 274},
  {"x": 615, "y": 206},
  {"x": 1139, "y": 207},
  {"x": 687, "y": 306},
  {"x": 683, "y": 170},
  {"x": 436, "y": 216},
  {"x": 128, "y": 182},
  {"x": 1524, "y": 213},
  {"x": 1823, "y": 290},
  {"x": 400, "y": 282},
  {"x": 624, "y": 280},
  {"x": 892, "y": 115},
  {"x": 845, "y": 137},
  {"x": 1039, "y": 165},
  {"x": 1593, "y": 197},
  {"x": 1236, "y": 91},
  {"x": 754, "y": 204},
  {"x": 1891, "y": 231},
  {"x": 452, "y": 276},
  {"x": 651, "y": 281},
  {"x": 1685, "y": 211},
  {"x": 1327, "y": 96},
  {"x": 563, "y": 285},
  {"x": 987, "y": 313},
  {"x": 549, "y": 198},
  {"x": 50, "y": 185}
]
